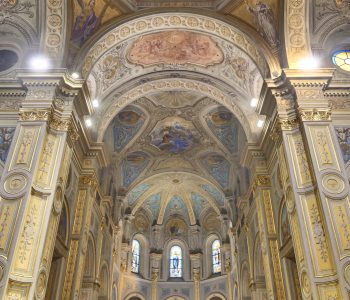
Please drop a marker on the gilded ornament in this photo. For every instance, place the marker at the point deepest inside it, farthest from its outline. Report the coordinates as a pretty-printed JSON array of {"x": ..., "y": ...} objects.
[
  {"x": 34, "y": 115},
  {"x": 262, "y": 180},
  {"x": 55, "y": 122},
  {"x": 88, "y": 181},
  {"x": 289, "y": 123},
  {"x": 58, "y": 201},
  {"x": 315, "y": 114},
  {"x": 347, "y": 273}
]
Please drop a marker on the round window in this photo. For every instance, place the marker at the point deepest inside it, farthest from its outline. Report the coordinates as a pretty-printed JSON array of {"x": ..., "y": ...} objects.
[
  {"x": 341, "y": 59},
  {"x": 8, "y": 59}
]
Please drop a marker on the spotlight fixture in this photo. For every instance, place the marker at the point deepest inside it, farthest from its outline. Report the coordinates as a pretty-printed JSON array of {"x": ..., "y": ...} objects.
[
  {"x": 39, "y": 63},
  {"x": 309, "y": 63},
  {"x": 88, "y": 122},
  {"x": 260, "y": 123},
  {"x": 95, "y": 103},
  {"x": 75, "y": 75},
  {"x": 254, "y": 102}
]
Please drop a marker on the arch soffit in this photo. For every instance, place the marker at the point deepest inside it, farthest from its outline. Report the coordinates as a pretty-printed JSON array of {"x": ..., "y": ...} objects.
[
  {"x": 212, "y": 25},
  {"x": 135, "y": 295},
  {"x": 218, "y": 295},
  {"x": 176, "y": 84},
  {"x": 297, "y": 31}
]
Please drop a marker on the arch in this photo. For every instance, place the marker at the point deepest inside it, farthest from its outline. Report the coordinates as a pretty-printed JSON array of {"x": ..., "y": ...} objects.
[
  {"x": 90, "y": 258},
  {"x": 135, "y": 253},
  {"x": 216, "y": 296},
  {"x": 208, "y": 267},
  {"x": 185, "y": 259},
  {"x": 175, "y": 298},
  {"x": 296, "y": 31},
  {"x": 120, "y": 101},
  {"x": 145, "y": 24},
  {"x": 258, "y": 266},
  {"x": 144, "y": 254},
  {"x": 135, "y": 296},
  {"x": 284, "y": 230},
  {"x": 175, "y": 262},
  {"x": 64, "y": 224},
  {"x": 245, "y": 281},
  {"x": 104, "y": 281}
]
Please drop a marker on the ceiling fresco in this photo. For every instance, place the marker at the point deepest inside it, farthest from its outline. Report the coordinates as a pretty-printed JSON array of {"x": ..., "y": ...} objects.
[
  {"x": 121, "y": 63},
  {"x": 218, "y": 167},
  {"x": 262, "y": 15},
  {"x": 132, "y": 166},
  {"x": 175, "y": 47},
  {"x": 170, "y": 194},
  {"x": 175, "y": 135},
  {"x": 224, "y": 125},
  {"x": 88, "y": 16},
  {"x": 126, "y": 125}
]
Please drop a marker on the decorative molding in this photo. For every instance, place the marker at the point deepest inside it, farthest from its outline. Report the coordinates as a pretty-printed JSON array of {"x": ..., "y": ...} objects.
[
  {"x": 315, "y": 114},
  {"x": 289, "y": 123},
  {"x": 34, "y": 115}
]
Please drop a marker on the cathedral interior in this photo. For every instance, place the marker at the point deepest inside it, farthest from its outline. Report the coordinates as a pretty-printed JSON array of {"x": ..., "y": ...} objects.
[{"x": 174, "y": 149}]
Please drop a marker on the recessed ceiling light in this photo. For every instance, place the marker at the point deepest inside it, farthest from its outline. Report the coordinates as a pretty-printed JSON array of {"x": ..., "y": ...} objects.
[
  {"x": 254, "y": 102},
  {"x": 95, "y": 103},
  {"x": 309, "y": 63},
  {"x": 88, "y": 122},
  {"x": 75, "y": 75},
  {"x": 260, "y": 123},
  {"x": 39, "y": 63}
]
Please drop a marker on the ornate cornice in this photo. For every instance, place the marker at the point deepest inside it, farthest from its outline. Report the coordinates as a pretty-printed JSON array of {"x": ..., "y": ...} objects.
[
  {"x": 315, "y": 114},
  {"x": 289, "y": 123},
  {"x": 35, "y": 115}
]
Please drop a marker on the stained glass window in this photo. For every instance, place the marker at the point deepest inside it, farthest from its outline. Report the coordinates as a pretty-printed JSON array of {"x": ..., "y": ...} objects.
[
  {"x": 175, "y": 261},
  {"x": 215, "y": 250},
  {"x": 135, "y": 264},
  {"x": 341, "y": 59}
]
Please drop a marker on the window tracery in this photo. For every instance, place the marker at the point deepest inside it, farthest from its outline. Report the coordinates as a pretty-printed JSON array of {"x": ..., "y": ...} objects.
[{"x": 341, "y": 59}]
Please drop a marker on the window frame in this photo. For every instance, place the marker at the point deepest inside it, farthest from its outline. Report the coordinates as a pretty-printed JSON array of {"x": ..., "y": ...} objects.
[
  {"x": 138, "y": 264},
  {"x": 180, "y": 262},
  {"x": 218, "y": 254}
]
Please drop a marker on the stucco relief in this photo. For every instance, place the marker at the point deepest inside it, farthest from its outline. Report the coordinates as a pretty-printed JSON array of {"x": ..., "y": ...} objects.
[{"x": 175, "y": 47}]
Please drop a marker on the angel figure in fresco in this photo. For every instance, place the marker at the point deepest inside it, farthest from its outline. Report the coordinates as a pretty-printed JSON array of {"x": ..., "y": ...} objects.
[
  {"x": 86, "y": 22},
  {"x": 265, "y": 22}
]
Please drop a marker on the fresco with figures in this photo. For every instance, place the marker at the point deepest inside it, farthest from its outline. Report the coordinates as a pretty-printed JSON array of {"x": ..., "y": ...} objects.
[
  {"x": 343, "y": 135},
  {"x": 6, "y": 136},
  {"x": 133, "y": 165},
  {"x": 225, "y": 127},
  {"x": 218, "y": 167},
  {"x": 175, "y": 135},
  {"x": 175, "y": 47},
  {"x": 126, "y": 125}
]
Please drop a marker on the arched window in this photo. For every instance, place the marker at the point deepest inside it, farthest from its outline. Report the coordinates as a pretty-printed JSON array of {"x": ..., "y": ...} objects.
[
  {"x": 216, "y": 257},
  {"x": 135, "y": 265},
  {"x": 175, "y": 262}
]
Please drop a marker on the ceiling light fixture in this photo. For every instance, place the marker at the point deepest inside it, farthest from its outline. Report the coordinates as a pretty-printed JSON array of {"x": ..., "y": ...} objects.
[
  {"x": 88, "y": 122},
  {"x": 95, "y": 103},
  {"x": 39, "y": 63},
  {"x": 254, "y": 102},
  {"x": 260, "y": 123},
  {"x": 309, "y": 63},
  {"x": 75, "y": 75}
]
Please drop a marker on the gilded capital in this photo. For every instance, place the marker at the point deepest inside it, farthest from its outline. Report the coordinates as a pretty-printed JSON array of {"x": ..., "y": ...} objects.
[
  {"x": 34, "y": 115},
  {"x": 315, "y": 114}
]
